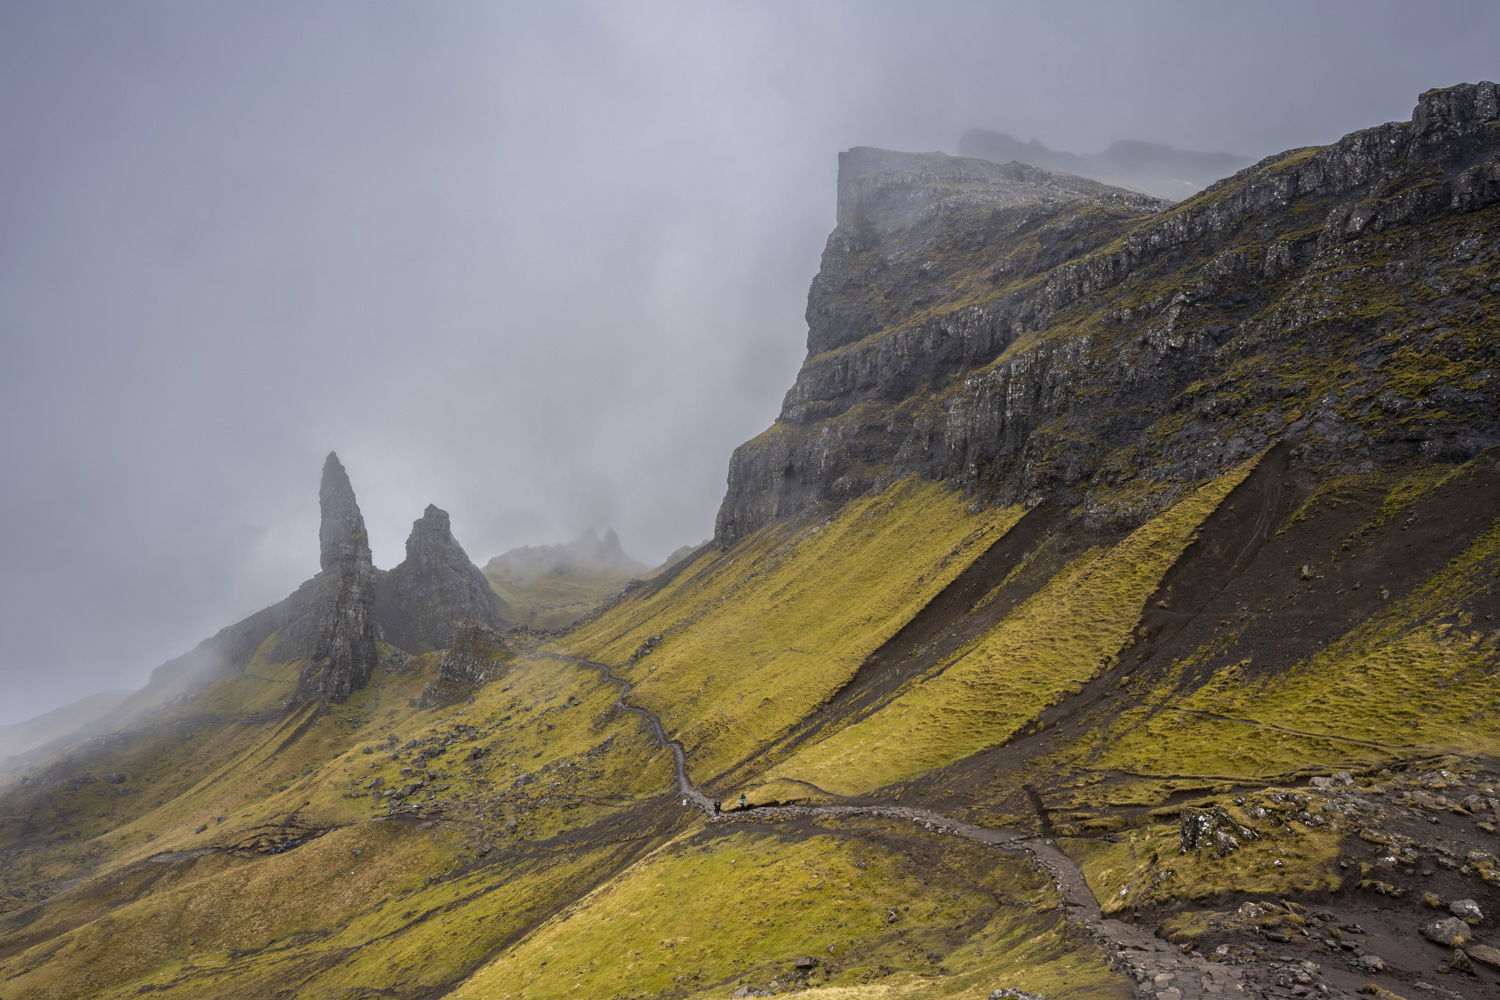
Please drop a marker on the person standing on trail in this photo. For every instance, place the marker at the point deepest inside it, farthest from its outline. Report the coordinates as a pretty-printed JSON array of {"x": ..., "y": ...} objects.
[{"x": 742, "y": 800}]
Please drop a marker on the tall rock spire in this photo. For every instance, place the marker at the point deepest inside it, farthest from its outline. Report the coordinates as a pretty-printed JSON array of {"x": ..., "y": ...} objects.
[
  {"x": 343, "y": 653},
  {"x": 341, "y": 517}
]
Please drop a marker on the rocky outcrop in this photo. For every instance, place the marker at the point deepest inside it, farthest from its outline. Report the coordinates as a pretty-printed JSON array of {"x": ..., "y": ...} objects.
[
  {"x": 335, "y": 619},
  {"x": 423, "y": 601},
  {"x": 1007, "y": 331},
  {"x": 299, "y": 625},
  {"x": 341, "y": 629},
  {"x": 476, "y": 656}
]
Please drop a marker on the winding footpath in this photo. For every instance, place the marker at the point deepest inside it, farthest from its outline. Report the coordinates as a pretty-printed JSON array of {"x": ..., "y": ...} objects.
[{"x": 1161, "y": 970}]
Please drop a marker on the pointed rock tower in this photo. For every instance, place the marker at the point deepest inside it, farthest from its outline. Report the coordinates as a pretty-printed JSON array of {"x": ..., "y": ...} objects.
[
  {"x": 341, "y": 514},
  {"x": 424, "y": 600},
  {"x": 343, "y": 646}
]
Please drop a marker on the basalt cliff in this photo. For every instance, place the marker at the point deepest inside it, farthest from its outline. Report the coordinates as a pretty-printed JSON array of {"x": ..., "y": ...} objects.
[
  {"x": 1111, "y": 612},
  {"x": 1015, "y": 333}
]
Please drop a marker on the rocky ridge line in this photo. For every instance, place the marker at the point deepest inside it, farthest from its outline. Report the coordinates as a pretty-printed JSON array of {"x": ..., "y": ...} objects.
[{"x": 1093, "y": 320}]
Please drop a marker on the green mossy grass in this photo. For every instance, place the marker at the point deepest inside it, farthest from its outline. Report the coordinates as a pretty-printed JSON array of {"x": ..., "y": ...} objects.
[
  {"x": 1043, "y": 651},
  {"x": 754, "y": 639},
  {"x": 713, "y": 910}
]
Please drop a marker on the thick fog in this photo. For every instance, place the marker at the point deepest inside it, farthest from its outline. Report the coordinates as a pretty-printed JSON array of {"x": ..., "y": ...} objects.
[{"x": 543, "y": 265}]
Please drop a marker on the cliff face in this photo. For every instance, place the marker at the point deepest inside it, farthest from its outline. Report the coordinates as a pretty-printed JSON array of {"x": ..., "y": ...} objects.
[
  {"x": 475, "y": 657},
  {"x": 344, "y": 653},
  {"x": 1023, "y": 335}
]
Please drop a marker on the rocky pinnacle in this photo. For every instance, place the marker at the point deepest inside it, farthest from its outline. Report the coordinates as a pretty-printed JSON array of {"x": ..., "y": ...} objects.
[
  {"x": 340, "y": 512},
  {"x": 423, "y": 600},
  {"x": 344, "y": 633}
]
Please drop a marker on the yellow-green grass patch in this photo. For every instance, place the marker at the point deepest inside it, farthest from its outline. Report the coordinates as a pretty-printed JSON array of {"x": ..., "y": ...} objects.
[
  {"x": 755, "y": 639},
  {"x": 708, "y": 912},
  {"x": 1043, "y": 651}
]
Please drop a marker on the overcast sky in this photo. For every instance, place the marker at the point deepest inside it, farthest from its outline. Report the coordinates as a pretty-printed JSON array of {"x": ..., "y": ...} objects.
[{"x": 542, "y": 264}]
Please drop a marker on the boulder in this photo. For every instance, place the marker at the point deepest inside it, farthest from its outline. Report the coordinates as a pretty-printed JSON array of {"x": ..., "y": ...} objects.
[
  {"x": 1466, "y": 910},
  {"x": 1449, "y": 932}
]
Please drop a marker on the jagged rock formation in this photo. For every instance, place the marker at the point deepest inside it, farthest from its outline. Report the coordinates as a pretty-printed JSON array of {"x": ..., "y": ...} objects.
[
  {"x": 1148, "y": 167},
  {"x": 344, "y": 653},
  {"x": 341, "y": 517},
  {"x": 1007, "y": 330},
  {"x": 343, "y": 629},
  {"x": 300, "y": 625},
  {"x": 473, "y": 659},
  {"x": 335, "y": 619},
  {"x": 423, "y": 600}
]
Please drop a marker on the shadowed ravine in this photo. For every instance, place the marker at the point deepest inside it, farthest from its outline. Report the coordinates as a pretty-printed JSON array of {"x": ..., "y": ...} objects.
[{"x": 1137, "y": 951}]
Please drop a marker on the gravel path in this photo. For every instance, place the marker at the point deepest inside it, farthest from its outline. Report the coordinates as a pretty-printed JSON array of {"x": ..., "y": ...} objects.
[{"x": 1160, "y": 969}]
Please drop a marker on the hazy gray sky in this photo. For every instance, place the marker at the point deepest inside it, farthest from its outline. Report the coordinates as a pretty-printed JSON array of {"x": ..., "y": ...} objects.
[{"x": 543, "y": 265}]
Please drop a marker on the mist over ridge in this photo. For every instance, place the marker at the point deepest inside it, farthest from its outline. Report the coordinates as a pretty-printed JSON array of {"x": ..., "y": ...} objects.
[{"x": 543, "y": 269}]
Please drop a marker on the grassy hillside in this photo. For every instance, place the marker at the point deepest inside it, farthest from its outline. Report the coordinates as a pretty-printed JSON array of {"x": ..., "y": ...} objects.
[
  {"x": 534, "y": 830},
  {"x": 1175, "y": 676},
  {"x": 556, "y": 599}
]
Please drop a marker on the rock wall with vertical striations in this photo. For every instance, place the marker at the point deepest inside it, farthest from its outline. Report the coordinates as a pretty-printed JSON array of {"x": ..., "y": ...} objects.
[
  {"x": 1024, "y": 335},
  {"x": 476, "y": 656},
  {"x": 344, "y": 653}
]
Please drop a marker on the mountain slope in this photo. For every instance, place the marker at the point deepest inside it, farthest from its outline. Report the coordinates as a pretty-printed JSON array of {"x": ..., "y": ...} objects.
[
  {"x": 1110, "y": 613},
  {"x": 552, "y": 586}
]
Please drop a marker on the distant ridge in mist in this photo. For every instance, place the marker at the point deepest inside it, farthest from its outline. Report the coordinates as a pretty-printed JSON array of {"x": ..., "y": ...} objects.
[
  {"x": 589, "y": 552},
  {"x": 1148, "y": 167}
]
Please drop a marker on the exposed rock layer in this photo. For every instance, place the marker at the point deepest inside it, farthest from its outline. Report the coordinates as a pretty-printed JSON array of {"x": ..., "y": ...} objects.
[
  {"x": 1007, "y": 330},
  {"x": 476, "y": 656},
  {"x": 344, "y": 653}
]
